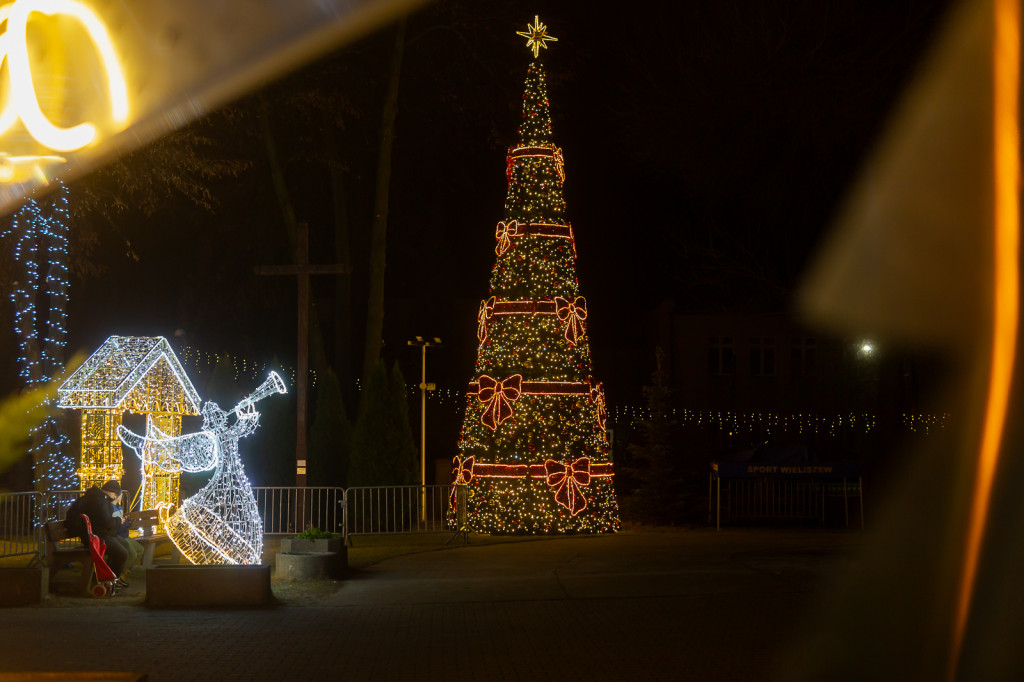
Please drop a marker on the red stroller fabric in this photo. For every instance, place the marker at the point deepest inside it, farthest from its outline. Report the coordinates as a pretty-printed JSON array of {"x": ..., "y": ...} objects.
[{"x": 97, "y": 548}]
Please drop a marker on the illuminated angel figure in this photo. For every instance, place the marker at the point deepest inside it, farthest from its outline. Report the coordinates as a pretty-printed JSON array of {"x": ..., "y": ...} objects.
[{"x": 220, "y": 523}]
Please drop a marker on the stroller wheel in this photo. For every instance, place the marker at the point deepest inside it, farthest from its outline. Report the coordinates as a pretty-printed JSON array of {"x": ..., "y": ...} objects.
[{"x": 100, "y": 590}]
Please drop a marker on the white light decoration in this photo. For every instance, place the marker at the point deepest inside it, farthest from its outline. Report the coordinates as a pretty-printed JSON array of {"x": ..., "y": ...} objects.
[
  {"x": 39, "y": 231},
  {"x": 220, "y": 524}
]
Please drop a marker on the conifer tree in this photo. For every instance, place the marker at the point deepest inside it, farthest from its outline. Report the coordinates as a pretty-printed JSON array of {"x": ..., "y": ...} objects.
[
  {"x": 382, "y": 449},
  {"x": 271, "y": 458},
  {"x": 533, "y": 448},
  {"x": 222, "y": 388},
  {"x": 406, "y": 456},
  {"x": 656, "y": 465},
  {"x": 330, "y": 435}
]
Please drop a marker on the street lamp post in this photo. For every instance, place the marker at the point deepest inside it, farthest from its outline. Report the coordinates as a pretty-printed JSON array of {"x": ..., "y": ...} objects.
[{"x": 424, "y": 387}]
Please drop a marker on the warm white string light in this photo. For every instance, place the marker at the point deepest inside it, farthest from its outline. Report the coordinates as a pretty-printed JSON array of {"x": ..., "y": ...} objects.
[{"x": 136, "y": 374}]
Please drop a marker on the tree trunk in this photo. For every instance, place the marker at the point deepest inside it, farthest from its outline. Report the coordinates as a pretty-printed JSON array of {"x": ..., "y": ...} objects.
[
  {"x": 317, "y": 356},
  {"x": 343, "y": 361},
  {"x": 284, "y": 200},
  {"x": 378, "y": 239}
]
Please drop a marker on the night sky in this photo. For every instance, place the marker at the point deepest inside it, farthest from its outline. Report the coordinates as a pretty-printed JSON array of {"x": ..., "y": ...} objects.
[{"x": 699, "y": 138}]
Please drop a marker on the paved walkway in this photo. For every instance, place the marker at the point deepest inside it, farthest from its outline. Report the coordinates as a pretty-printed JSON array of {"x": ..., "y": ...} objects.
[{"x": 695, "y": 605}]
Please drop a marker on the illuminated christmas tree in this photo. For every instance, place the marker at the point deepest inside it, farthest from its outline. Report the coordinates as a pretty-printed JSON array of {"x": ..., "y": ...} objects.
[{"x": 533, "y": 450}]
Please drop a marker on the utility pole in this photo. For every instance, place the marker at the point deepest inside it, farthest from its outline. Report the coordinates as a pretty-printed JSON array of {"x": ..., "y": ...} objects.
[{"x": 424, "y": 387}]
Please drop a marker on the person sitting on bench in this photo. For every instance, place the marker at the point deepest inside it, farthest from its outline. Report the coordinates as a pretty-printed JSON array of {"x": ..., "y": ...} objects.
[
  {"x": 135, "y": 549},
  {"x": 97, "y": 504}
]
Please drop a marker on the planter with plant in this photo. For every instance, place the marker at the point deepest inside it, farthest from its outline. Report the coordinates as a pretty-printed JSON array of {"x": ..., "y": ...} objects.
[{"x": 312, "y": 554}]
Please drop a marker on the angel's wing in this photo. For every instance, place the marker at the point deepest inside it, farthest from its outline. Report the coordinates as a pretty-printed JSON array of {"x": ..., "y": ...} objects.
[{"x": 193, "y": 452}]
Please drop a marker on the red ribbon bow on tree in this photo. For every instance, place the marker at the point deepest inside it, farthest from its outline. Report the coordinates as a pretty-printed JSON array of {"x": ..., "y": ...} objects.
[
  {"x": 498, "y": 396},
  {"x": 504, "y": 233},
  {"x": 572, "y": 314},
  {"x": 486, "y": 310},
  {"x": 462, "y": 474},
  {"x": 597, "y": 397},
  {"x": 568, "y": 480}
]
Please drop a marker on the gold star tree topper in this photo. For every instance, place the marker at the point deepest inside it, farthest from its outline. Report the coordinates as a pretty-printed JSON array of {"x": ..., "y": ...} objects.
[{"x": 536, "y": 36}]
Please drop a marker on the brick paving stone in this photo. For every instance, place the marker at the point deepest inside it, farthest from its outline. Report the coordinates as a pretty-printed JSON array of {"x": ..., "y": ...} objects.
[{"x": 693, "y": 606}]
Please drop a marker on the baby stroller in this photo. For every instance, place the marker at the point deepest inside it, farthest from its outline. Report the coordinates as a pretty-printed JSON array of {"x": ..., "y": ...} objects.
[{"x": 104, "y": 576}]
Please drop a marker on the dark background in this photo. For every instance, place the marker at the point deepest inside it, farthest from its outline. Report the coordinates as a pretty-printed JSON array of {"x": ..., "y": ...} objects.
[{"x": 695, "y": 134}]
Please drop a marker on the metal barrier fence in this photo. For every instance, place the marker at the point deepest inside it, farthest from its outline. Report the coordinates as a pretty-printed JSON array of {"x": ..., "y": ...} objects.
[
  {"x": 384, "y": 510},
  {"x": 776, "y": 498},
  {"x": 291, "y": 510},
  {"x": 374, "y": 510},
  {"x": 57, "y": 503},
  {"x": 20, "y": 534},
  {"x": 784, "y": 499}
]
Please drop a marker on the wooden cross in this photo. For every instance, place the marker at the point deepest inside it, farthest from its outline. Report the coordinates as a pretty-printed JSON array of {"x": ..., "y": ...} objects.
[{"x": 302, "y": 270}]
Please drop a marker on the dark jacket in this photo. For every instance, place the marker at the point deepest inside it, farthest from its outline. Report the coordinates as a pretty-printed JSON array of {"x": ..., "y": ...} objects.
[
  {"x": 95, "y": 504},
  {"x": 122, "y": 527}
]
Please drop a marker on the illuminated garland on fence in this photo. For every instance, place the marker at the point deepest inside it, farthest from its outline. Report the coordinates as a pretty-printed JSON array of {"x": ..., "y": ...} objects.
[
  {"x": 202, "y": 361},
  {"x": 768, "y": 422},
  {"x": 925, "y": 422},
  {"x": 739, "y": 422},
  {"x": 622, "y": 414}
]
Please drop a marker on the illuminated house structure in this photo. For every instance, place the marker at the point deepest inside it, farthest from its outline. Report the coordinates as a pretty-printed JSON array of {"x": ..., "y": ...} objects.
[{"x": 135, "y": 374}]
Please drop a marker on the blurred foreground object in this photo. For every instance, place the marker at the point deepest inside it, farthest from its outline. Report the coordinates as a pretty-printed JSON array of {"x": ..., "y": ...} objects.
[
  {"x": 926, "y": 256},
  {"x": 19, "y": 414},
  {"x": 83, "y": 81}
]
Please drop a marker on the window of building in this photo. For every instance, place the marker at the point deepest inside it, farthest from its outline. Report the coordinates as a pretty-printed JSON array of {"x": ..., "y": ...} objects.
[
  {"x": 762, "y": 356},
  {"x": 804, "y": 356},
  {"x": 721, "y": 357}
]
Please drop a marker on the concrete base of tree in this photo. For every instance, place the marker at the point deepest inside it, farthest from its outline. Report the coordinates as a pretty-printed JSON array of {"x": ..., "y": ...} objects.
[
  {"x": 188, "y": 586},
  {"x": 23, "y": 586}
]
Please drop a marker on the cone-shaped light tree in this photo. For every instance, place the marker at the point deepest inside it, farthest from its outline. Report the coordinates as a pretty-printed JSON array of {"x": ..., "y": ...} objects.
[{"x": 534, "y": 452}]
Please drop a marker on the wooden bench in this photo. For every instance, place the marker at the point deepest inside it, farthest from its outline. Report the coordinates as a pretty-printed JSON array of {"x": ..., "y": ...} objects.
[
  {"x": 146, "y": 521},
  {"x": 63, "y": 549}
]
